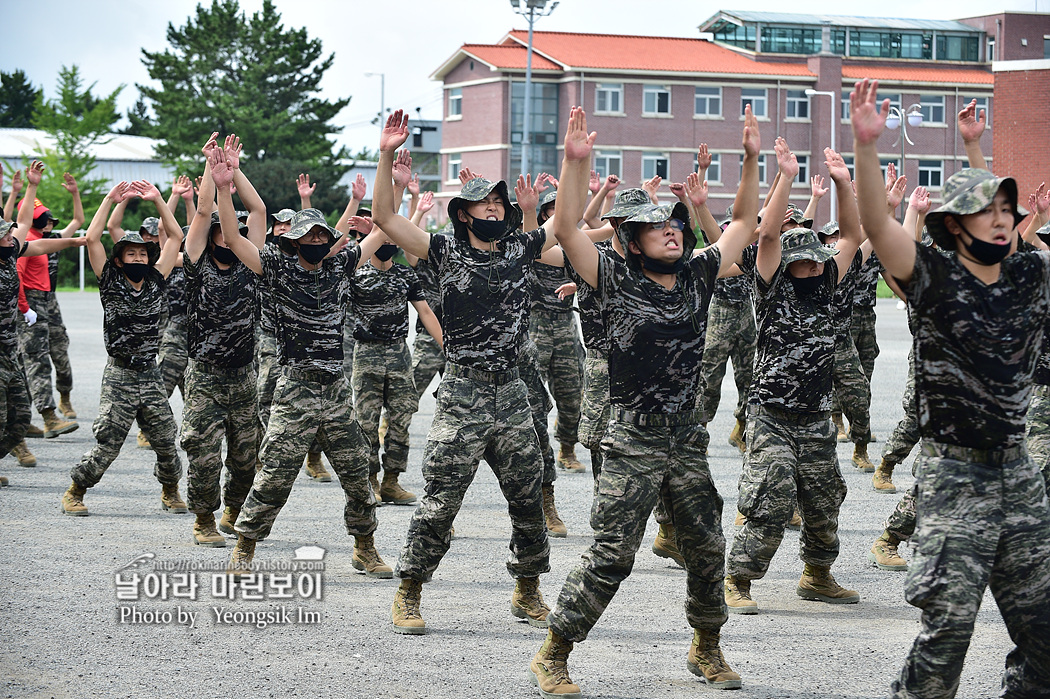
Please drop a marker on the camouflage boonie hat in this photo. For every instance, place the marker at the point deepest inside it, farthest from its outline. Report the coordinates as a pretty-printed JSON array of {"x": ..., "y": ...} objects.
[
  {"x": 727, "y": 218},
  {"x": 306, "y": 220},
  {"x": 1043, "y": 233},
  {"x": 150, "y": 226},
  {"x": 6, "y": 226},
  {"x": 626, "y": 202},
  {"x": 284, "y": 215},
  {"x": 364, "y": 211},
  {"x": 799, "y": 216},
  {"x": 829, "y": 228},
  {"x": 803, "y": 244},
  {"x": 133, "y": 238},
  {"x": 969, "y": 191},
  {"x": 651, "y": 213},
  {"x": 547, "y": 198},
  {"x": 476, "y": 190},
  {"x": 242, "y": 227},
  {"x": 242, "y": 215}
]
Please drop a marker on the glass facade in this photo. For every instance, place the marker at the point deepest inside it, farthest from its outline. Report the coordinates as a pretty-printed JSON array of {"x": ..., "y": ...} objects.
[
  {"x": 543, "y": 128},
  {"x": 790, "y": 40},
  {"x": 735, "y": 35},
  {"x": 958, "y": 48},
  {"x": 890, "y": 44}
]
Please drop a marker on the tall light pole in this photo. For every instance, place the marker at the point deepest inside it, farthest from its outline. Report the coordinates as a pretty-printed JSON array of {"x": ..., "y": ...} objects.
[
  {"x": 531, "y": 10},
  {"x": 897, "y": 118},
  {"x": 834, "y": 128},
  {"x": 382, "y": 96}
]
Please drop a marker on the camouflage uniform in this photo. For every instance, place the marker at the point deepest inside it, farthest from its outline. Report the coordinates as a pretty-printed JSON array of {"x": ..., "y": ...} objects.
[
  {"x": 312, "y": 398},
  {"x": 14, "y": 396},
  {"x": 655, "y": 446},
  {"x": 1037, "y": 422},
  {"x": 220, "y": 383},
  {"x": 731, "y": 334},
  {"x": 382, "y": 373},
  {"x": 427, "y": 358},
  {"x": 790, "y": 439},
  {"x": 852, "y": 391},
  {"x": 173, "y": 356},
  {"x": 132, "y": 387},
  {"x": 482, "y": 405},
  {"x": 540, "y": 405},
  {"x": 983, "y": 515},
  {"x": 862, "y": 327}
]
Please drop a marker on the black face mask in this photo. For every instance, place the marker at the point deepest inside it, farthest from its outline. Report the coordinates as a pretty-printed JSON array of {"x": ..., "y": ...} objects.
[
  {"x": 984, "y": 253},
  {"x": 314, "y": 253},
  {"x": 807, "y": 285},
  {"x": 135, "y": 271},
  {"x": 385, "y": 252},
  {"x": 223, "y": 255},
  {"x": 7, "y": 253},
  {"x": 488, "y": 231},
  {"x": 658, "y": 267}
]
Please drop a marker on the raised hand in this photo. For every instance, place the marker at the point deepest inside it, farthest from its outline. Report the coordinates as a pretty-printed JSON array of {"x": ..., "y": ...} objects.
[
  {"x": 413, "y": 185},
  {"x": 527, "y": 196},
  {"x": 302, "y": 185},
  {"x": 837, "y": 169},
  {"x": 233, "y": 149},
  {"x": 359, "y": 188},
  {"x": 541, "y": 183},
  {"x": 69, "y": 183},
  {"x": 816, "y": 186},
  {"x": 578, "y": 143},
  {"x": 703, "y": 158},
  {"x": 360, "y": 224},
  {"x": 786, "y": 160},
  {"x": 395, "y": 133},
  {"x": 16, "y": 182},
  {"x": 696, "y": 190},
  {"x": 402, "y": 169},
  {"x": 868, "y": 118},
  {"x": 197, "y": 184},
  {"x": 752, "y": 138},
  {"x": 920, "y": 200},
  {"x": 182, "y": 187},
  {"x": 221, "y": 170},
  {"x": 595, "y": 183},
  {"x": 466, "y": 175},
  {"x": 891, "y": 175},
  {"x": 147, "y": 190},
  {"x": 971, "y": 125},
  {"x": 1039, "y": 201},
  {"x": 426, "y": 202},
  {"x": 678, "y": 189},
  {"x": 210, "y": 143},
  {"x": 611, "y": 183},
  {"x": 118, "y": 192},
  {"x": 554, "y": 181},
  {"x": 895, "y": 191},
  {"x": 652, "y": 186},
  {"x": 35, "y": 172}
]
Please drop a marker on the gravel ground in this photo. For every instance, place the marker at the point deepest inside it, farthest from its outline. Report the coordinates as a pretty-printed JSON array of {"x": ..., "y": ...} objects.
[{"x": 63, "y": 635}]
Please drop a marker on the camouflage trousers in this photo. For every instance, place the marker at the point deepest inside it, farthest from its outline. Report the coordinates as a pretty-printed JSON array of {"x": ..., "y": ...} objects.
[
  {"x": 42, "y": 344},
  {"x": 309, "y": 405},
  {"x": 173, "y": 356},
  {"x": 382, "y": 380},
  {"x": 595, "y": 410},
  {"x": 862, "y": 328},
  {"x": 790, "y": 458},
  {"x": 1037, "y": 430},
  {"x": 901, "y": 522},
  {"x": 982, "y": 523},
  {"x": 852, "y": 390},
  {"x": 479, "y": 415},
  {"x": 269, "y": 370},
  {"x": 348, "y": 347},
  {"x": 219, "y": 403},
  {"x": 906, "y": 434},
  {"x": 427, "y": 361},
  {"x": 731, "y": 335},
  {"x": 540, "y": 404},
  {"x": 560, "y": 359},
  {"x": 131, "y": 394},
  {"x": 642, "y": 465},
  {"x": 14, "y": 403}
]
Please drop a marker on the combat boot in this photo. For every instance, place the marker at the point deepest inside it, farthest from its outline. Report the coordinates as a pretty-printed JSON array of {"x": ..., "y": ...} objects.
[
  {"x": 567, "y": 459},
  {"x": 884, "y": 553},
  {"x": 4, "y": 482},
  {"x": 373, "y": 480},
  {"x": 171, "y": 501},
  {"x": 241, "y": 558},
  {"x": 882, "y": 481},
  {"x": 204, "y": 533},
  {"x": 315, "y": 468},
  {"x": 840, "y": 429},
  {"x": 705, "y": 660},
  {"x": 34, "y": 432},
  {"x": 73, "y": 501},
  {"x": 527, "y": 603},
  {"x": 404, "y": 615},
  {"x": 818, "y": 584},
  {"x": 861, "y": 460},
  {"x": 228, "y": 519},
  {"x": 141, "y": 442},
  {"x": 736, "y": 437},
  {"x": 54, "y": 425},
  {"x": 738, "y": 596},
  {"x": 549, "y": 669},
  {"x": 25, "y": 457},
  {"x": 392, "y": 492},
  {"x": 65, "y": 407},
  {"x": 366, "y": 559},
  {"x": 795, "y": 522},
  {"x": 555, "y": 527},
  {"x": 665, "y": 546}
]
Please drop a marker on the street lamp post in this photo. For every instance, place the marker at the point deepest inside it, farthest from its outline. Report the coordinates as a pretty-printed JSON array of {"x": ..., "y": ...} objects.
[
  {"x": 531, "y": 10},
  {"x": 834, "y": 128},
  {"x": 897, "y": 118},
  {"x": 382, "y": 96}
]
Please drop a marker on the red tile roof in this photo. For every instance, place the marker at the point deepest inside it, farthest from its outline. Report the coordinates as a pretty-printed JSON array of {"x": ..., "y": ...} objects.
[
  {"x": 508, "y": 57},
  {"x": 912, "y": 74}
]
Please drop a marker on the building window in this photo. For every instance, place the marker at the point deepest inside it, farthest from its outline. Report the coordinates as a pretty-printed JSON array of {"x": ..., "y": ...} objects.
[
  {"x": 803, "y": 170},
  {"x": 991, "y": 49},
  {"x": 756, "y": 98},
  {"x": 797, "y": 104},
  {"x": 735, "y": 35},
  {"x": 654, "y": 164},
  {"x": 875, "y": 44},
  {"x": 848, "y": 160},
  {"x": 543, "y": 129},
  {"x": 932, "y": 108},
  {"x": 790, "y": 40},
  {"x": 931, "y": 173},
  {"x": 608, "y": 162},
  {"x": 656, "y": 99},
  {"x": 845, "y": 105},
  {"x": 714, "y": 170},
  {"x": 707, "y": 102},
  {"x": 761, "y": 168},
  {"x": 608, "y": 98},
  {"x": 984, "y": 103},
  {"x": 1046, "y": 47},
  {"x": 455, "y": 164},
  {"x": 957, "y": 48},
  {"x": 455, "y": 102},
  {"x": 894, "y": 98}
]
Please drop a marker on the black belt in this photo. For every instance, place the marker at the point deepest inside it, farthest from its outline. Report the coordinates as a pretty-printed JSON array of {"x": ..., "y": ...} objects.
[
  {"x": 144, "y": 365},
  {"x": 686, "y": 417},
  {"x": 497, "y": 378},
  {"x": 214, "y": 370},
  {"x": 790, "y": 415},
  {"x": 991, "y": 457}
]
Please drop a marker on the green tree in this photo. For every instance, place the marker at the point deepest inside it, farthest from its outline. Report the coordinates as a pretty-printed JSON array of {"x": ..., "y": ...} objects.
[
  {"x": 139, "y": 119},
  {"x": 17, "y": 97},
  {"x": 251, "y": 76}
]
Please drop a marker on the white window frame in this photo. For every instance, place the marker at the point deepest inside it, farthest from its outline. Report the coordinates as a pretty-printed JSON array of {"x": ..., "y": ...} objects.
[
  {"x": 761, "y": 168},
  {"x": 929, "y": 104},
  {"x": 654, "y": 157},
  {"x": 455, "y": 104},
  {"x": 927, "y": 169},
  {"x": 844, "y": 106},
  {"x": 794, "y": 101},
  {"x": 608, "y": 155},
  {"x": 754, "y": 99},
  {"x": 802, "y": 180},
  {"x": 982, "y": 103},
  {"x": 608, "y": 89},
  {"x": 708, "y": 113},
  {"x": 455, "y": 164},
  {"x": 714, "y": 171},
  {"x": 655, "y": 91}
]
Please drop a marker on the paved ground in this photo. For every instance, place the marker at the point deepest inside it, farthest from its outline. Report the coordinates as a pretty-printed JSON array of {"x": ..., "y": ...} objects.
[{"x": 63, "y": 634}]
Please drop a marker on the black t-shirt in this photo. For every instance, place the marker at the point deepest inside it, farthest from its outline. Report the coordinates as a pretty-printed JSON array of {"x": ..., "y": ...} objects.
[
  {"x": 868, "y": 283},
  {"x": 976, "y": 346},
  {"x": 545, "y": 281},
  {"x": 221, "y": 308},
  {"x": 740, "y": 288},
  {"x": 381, "y": 301},
  {"x": 656, "y": 335},
  {"x": 592, "y": 312},
  {"x": 9, "y": 303},
  {"x": 485, "y": 298},
  {"x": 132, "y": 319},
  {"x": 795, "y": 353},
  {"x": 842, "y": 307},
  {"x": 176, "y": 296}
]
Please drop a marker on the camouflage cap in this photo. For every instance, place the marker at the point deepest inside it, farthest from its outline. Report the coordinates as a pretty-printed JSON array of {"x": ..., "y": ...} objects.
[
  {"x": 133, "y": 238},
  {"x": 364, "y": 211},
  {"x": 969, "y": 191},
  {"x": 242, "y": 215},
  {"x": 798, "y": 216},
  {"x": 651, "y": 213},
  {"x": 829, "y": 228},
  {"x": 727, "y": 218},
  {"x": 476, "y": 190},
  {"x": 284, "y": 215},
  {"x": 306, "y": 220},
  {"x": 6, "y": 226},
  {"x": 626, "y": 202},
  {"x": 548, "y": 198},
  {"x": 803, "y": 244},
  {"x": 150, "y": 226},
  {"x": 242, "y": 227}
]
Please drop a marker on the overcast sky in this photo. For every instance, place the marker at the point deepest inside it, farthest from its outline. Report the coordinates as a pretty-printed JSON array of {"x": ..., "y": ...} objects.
[{"x": 406, "y": 39}]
